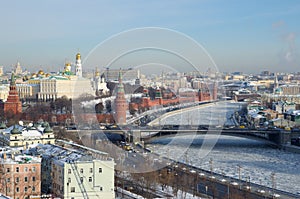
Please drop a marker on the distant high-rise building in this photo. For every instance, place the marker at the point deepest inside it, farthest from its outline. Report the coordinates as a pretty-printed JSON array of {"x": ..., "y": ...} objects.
[
  {"x": 18, "y": 69},
  {"x": 1, "y": 70},
  {"x": 128, "y": 74},
  {"x": 265, "y": 73}
]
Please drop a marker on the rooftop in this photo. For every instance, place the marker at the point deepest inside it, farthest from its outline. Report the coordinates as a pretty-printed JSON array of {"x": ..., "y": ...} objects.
[
  {"x": 62, "y": 154},
  {"x": 16, "y": 156}
]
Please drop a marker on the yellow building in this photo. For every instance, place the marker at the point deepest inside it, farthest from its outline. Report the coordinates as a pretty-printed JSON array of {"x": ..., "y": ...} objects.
[{"x": 23, "y": 136}]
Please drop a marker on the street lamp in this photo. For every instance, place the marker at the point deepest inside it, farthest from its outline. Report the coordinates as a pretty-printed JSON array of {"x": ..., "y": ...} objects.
[
  {"x": 228, "y": 195},
  {"x": 211, "y": 165},
  {"x": 249, "y": 182},
  {"x": 239, "y": 169},
  {"x": 273, "y": 182}
]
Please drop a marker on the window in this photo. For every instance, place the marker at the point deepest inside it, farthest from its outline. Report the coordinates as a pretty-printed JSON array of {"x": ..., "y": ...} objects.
[
  {"x": 69, "y": 180},
  {"x": 26, "y": 169},
  {"x": 72, "y": 189},
  {"x": 33, "y": 189},
  {"x": 91, "y": 170},
  {"x": 16, "y": 138},
  {"x": 8, "y": 180},
  {"x": 8, "y": 189},
  {"x": 90, "y": 179},
  {"x": 33, "y": 178},
  {"x": 81, "y": 179},
  {"x": 33, "y": 169},
  {"x": 100, "y": 170},
  {"x": 7, "y": 170},
  {"x": 81, "y": 170},
  {"x": 17, "y": 189},
  {"x": 17, "y": 169},
  {"x": 25, "y": 189},
  {"x": 17, "y": 179},
  {"x": 69, "y": 171},
  {"x": 101, "y": 188},
  {"x": 25, "y": 179}
]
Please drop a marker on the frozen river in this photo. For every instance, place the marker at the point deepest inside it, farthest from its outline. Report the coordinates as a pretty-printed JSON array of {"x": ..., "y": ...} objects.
[{"x": 257, "y": 159}]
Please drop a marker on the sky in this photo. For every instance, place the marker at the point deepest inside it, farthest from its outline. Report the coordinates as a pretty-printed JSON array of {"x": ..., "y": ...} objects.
[{"x": 247, "y": 36}]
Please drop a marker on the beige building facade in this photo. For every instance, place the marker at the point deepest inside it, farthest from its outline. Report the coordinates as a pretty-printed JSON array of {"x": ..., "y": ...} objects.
[{"x": 23, "y": 136}]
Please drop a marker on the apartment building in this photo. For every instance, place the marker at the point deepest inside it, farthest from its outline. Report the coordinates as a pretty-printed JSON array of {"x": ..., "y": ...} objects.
[
  {"x": 19, "y": 174},
  {"x": 68, "y": 173}
]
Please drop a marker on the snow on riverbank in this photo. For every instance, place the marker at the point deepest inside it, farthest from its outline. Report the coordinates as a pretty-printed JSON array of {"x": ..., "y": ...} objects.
[{"x": 257, "y": 159}]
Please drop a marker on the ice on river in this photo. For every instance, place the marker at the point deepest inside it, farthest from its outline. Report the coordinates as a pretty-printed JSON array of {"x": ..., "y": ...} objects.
[{"x": 257, "y": 159}]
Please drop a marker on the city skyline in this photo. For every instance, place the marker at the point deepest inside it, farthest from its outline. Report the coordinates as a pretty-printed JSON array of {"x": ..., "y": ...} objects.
[{"x": 240, "y": 36}]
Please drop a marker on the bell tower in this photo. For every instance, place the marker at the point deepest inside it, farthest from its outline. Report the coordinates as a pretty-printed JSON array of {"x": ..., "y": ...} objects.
[{"x": 78, "y": 66}]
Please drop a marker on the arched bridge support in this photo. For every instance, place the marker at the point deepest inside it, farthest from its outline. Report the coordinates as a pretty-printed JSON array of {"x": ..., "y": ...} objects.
[{"x": 282, "y": 138}]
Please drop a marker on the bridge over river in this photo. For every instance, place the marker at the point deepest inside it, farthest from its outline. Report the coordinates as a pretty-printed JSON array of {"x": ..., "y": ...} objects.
[
  {"x": 276, "y": 137},
  {"x": 205, "y": 118}
]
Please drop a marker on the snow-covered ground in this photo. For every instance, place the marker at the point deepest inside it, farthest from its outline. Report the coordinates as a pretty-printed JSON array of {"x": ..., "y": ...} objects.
[{"x": 257, "y": 159}]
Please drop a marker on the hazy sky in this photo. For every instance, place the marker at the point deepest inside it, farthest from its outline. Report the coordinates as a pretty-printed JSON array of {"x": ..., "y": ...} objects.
[{"x": 239, "y": 35}]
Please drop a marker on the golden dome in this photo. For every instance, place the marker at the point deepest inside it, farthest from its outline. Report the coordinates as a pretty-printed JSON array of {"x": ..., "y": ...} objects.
[
  {"x": 78, "y": 56},
  {"x": 68, "y": 64},
  {"x": 41, "y": 72},
  {"x": 33, "y": 75},
  {"x": 47, "y": 75},
  {"x": 97, "y": 73}
]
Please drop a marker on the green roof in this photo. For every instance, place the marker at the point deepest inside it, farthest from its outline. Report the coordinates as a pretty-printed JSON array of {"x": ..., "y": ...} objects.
[
  {"x": 15, "y": 131},
  {"x": 2, "y": 125}
]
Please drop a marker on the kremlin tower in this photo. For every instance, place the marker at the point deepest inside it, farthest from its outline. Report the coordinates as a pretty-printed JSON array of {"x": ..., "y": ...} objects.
[
  {"x": 13, "y": 103},
  {"x": 120, "y": 103},
  {"x": 78, "y": 66}
]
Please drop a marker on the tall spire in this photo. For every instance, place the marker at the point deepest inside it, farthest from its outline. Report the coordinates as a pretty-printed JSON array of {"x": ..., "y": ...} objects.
[
  {"x": 120, "y": 76},
  {"x": 12, "y": 80},
  {"x": 120, "y": 88}
]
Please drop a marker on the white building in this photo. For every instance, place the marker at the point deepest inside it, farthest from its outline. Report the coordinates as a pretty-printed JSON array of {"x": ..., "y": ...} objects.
[
  {"x": 53, "y": 86},
  {"x": 4, "y": 89},
  {"x": 67, "y": 173},
  {"x": 99, "y": 84}
]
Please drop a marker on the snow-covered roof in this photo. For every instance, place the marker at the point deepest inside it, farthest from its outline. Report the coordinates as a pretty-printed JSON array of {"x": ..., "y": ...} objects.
[{"x": 27, "y": 131}]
